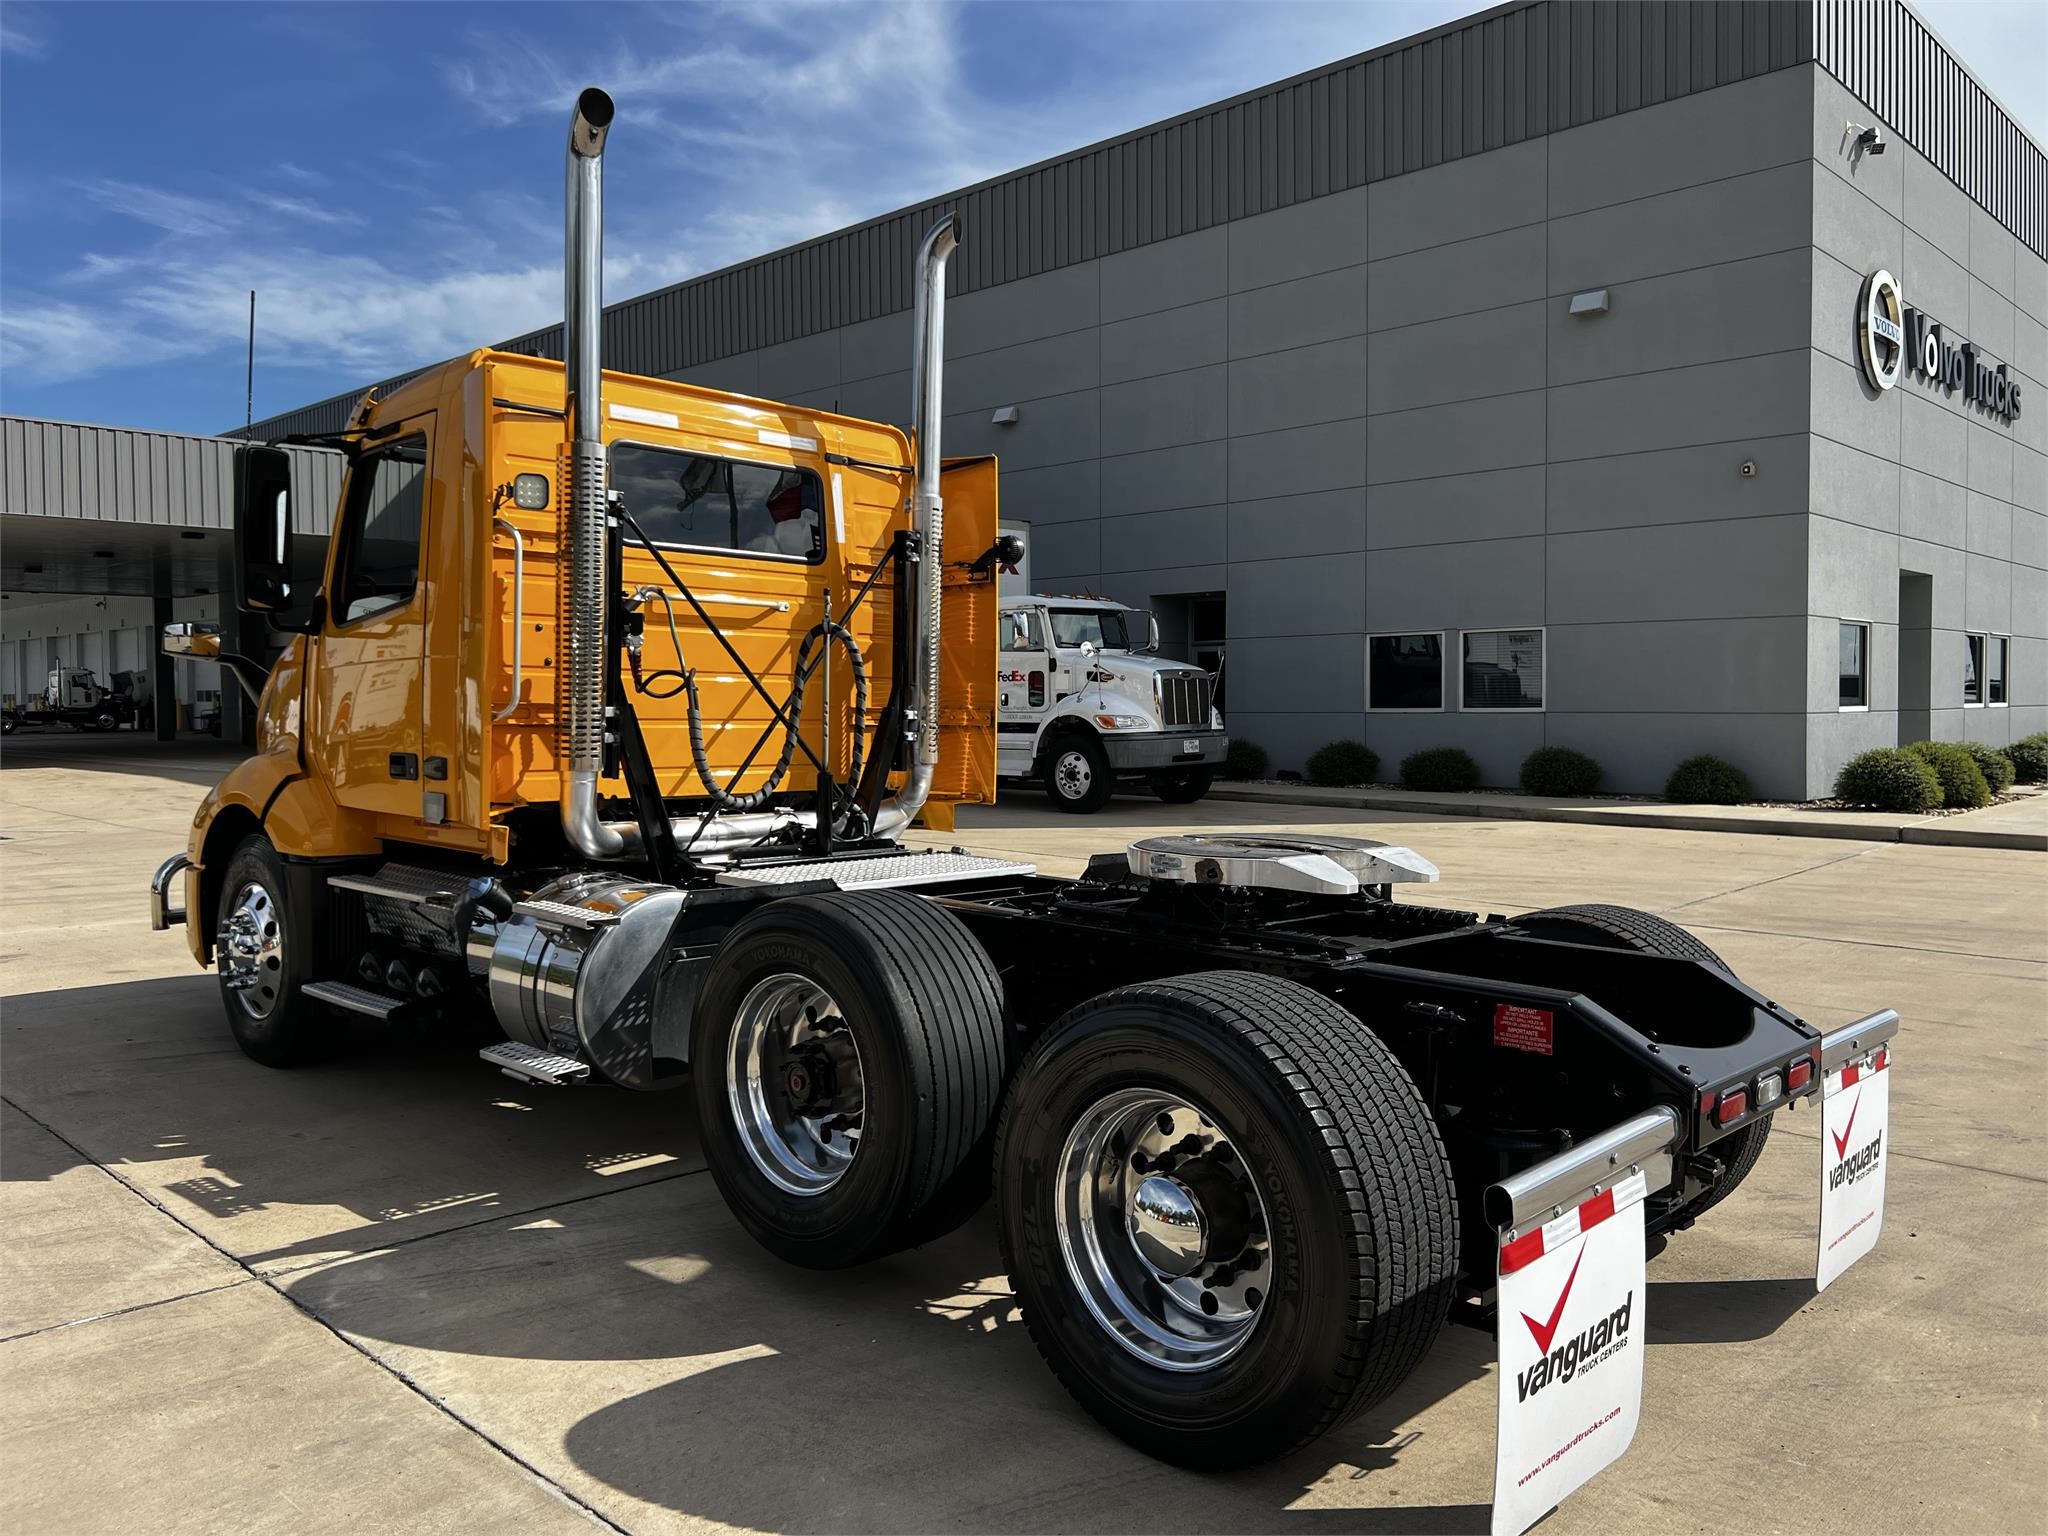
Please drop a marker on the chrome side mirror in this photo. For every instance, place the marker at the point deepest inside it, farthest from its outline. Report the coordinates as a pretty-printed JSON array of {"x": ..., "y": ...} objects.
[{"x": 201, "y": 641}]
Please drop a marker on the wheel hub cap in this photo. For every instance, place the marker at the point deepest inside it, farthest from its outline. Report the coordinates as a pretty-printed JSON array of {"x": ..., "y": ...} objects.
[
  {"x": 250, "y": 951},
  {"x": 1162, "y": 1229},
  {"x": 793, "y": 1082}
]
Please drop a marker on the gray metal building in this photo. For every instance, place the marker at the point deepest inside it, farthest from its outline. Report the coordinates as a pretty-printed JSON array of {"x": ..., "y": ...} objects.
[{"x": 1504, "y": 386}]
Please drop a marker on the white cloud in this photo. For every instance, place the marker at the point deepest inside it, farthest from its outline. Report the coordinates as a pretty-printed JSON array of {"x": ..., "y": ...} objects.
[{"x": 20, "y": 40}]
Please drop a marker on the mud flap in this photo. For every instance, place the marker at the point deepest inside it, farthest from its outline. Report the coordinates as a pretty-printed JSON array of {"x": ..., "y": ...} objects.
[{"x": 1855, "y": 1115}]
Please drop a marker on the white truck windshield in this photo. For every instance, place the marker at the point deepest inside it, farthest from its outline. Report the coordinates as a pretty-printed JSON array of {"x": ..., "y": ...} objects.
[{"x": 1104, "y": 628}]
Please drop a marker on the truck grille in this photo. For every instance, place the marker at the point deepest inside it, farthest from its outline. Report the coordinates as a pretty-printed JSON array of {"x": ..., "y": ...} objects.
[{"x": 1184, "y": 701}]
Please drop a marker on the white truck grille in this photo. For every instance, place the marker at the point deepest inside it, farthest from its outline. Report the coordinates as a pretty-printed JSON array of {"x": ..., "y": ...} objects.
[{"x": 1184, "y": 701}]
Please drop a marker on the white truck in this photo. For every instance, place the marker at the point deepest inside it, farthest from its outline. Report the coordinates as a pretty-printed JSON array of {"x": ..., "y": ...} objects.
[{"x": 1085, "y": 703}]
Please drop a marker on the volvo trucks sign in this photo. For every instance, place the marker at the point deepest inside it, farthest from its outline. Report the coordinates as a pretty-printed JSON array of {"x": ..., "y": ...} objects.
[{"x": 1893, "y": 339}]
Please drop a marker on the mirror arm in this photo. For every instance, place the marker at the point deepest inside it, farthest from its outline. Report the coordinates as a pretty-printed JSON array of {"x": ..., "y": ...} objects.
[{"x": 249, "y": 675}]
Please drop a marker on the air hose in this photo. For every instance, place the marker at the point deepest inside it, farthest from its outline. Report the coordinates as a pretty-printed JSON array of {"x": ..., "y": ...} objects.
[{"x": 807, "y": 658}]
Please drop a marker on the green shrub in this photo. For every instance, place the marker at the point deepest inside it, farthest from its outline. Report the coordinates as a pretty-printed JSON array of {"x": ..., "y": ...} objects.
[
  {"x": 1342, "y": 763},
  {"x": 2029, "y": 757},
  {"x": 1559, "y": 771},
  {"x": 1962, "y": 781},
  {"x": 1441, "y": 769},
  {"x": 1997, "y": 768},
  {"x": 1708, "y": 780},
  {"x": 1889, "y": 779},
  {"x": 1244, "y": 760}
]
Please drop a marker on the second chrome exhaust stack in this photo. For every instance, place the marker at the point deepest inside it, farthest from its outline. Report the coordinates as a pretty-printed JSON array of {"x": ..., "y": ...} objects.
[{"x": 585, "y": 529}]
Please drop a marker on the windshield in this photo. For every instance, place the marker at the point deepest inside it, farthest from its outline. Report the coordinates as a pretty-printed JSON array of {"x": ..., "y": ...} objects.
[{"x": 1104, "y": 628}]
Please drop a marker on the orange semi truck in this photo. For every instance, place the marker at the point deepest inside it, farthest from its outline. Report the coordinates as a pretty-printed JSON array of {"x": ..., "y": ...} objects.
[{"x": 609, "y": 723}]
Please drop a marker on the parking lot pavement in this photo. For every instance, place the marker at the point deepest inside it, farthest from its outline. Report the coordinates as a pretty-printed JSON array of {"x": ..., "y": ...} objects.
[{"x": 397, "y": 1292}]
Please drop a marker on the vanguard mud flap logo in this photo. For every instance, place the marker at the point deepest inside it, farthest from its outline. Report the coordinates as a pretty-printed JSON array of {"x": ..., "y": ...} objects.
[
  {"x": 1855, "y": 1112},
  {"x": 1570, "y": 1334}
]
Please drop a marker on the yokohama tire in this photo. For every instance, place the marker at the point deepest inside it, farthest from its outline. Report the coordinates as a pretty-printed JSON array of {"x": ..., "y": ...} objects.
[
  {"x": 918, "y": 1000},
  {"x": 1625, "y": 928},
  {"x": 1356, "y": 1198}
]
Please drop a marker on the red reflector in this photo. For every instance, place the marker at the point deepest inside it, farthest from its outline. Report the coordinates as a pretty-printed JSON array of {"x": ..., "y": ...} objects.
[
  {"x": 1884, "y": 1059},
  {"x": 1706, "y": 1103},
  {"x": 1734, "y": 1105},
  {"x": 1798, "y": 1075},
  {"x": 1525, "y": 1249}
]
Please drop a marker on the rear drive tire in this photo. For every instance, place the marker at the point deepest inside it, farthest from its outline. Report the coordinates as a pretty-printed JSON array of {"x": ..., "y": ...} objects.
[
  {"x": 1184, "y": 788},
  {"x": 873, "y": 1013},
  {"x": 1077, "y": 774},
  {"x": 1613, "y": 927},
  {"x": 263, "y": 952},
  {"x": 1301, "y": 1146}
]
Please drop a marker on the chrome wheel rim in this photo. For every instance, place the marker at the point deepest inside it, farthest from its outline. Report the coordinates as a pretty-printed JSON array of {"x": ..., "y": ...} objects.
[
  {"x": 1074, "y": 774},
  {"x": 1163, "y": 1229},
  {"x": 793, "y": 1080},
  {"x": 251, "y": 951}
]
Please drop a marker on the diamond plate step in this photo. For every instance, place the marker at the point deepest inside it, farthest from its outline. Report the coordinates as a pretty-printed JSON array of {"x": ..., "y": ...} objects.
[
  {"x": 355, "y": 999},
  {"x": 558, "y": 914},
  {"x": 380, "y": 884},
  {"x": 869, "y": 874},
  {"x": 516, "y": 1060}
]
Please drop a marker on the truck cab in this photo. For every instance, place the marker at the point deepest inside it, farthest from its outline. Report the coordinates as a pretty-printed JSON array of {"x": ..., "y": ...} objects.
[{"x": 1085, "y": 703}]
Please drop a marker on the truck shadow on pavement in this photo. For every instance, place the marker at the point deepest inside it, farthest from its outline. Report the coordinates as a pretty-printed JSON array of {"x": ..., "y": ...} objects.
[{"x": 554, "y": 1266}]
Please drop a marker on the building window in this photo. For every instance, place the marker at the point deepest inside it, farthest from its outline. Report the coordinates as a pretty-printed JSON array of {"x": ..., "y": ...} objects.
[
  {"x": 1503, "y": 669},
  {"x": 1404, "y": 671},
  {"x": 1853, "y": 670},
  {"x": 697, "y": 502},
  {"x": 1973, "y": 670},
  {"x": 1997, "y": 664}
]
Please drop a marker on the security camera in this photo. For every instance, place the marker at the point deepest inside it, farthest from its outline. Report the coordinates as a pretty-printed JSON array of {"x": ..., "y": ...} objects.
[{"x": 1871, "y": 140}]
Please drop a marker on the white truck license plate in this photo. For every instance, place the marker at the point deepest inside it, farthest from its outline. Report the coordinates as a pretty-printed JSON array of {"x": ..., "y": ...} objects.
[{"x": 1192, "y": 748}]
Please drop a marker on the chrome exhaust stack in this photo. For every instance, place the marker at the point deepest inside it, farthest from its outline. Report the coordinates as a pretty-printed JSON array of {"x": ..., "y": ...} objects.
[
  {"x": 927, "y": 517},
  {"x": 586, "y": 518},
  {"x": 584, "y": 531}
]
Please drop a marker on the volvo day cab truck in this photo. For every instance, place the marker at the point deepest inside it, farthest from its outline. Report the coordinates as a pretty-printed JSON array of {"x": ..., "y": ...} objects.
[
  {"x": 615, "y": 721},
  {"x": 1084, "y": 702}
]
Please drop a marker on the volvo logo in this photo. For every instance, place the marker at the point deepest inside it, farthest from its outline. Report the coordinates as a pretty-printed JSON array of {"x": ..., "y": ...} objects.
[
  {"x": 1892, "y": 339},
  {"x": 1881, "y": 330}
]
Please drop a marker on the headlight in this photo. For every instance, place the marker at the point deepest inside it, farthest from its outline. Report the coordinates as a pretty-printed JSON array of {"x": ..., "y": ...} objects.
[
  {"x": 1215, "y": 719},
  {"x": 1121, "y": 722}
]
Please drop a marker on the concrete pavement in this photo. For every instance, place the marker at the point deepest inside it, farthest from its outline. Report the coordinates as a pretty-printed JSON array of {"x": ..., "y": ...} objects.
[{"x": 395, "y": 1292}]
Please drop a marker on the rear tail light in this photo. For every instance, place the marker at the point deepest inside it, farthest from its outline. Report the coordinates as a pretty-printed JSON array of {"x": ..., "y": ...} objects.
[
  {"x": 1733, "y": 1106},
  {"x": 1799, "y": 1074}
]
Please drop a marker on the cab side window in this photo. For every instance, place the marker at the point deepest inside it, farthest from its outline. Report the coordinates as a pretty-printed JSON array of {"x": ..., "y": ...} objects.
[
  {"x": 1020, "y": 630},
  {"x": 380, "y": 561}
]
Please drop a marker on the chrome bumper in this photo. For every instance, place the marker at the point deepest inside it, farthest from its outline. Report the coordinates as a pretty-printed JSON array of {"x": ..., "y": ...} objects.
[
  {"x": 162, "y": 914},
  {"x": 1858, "y": 1039}
]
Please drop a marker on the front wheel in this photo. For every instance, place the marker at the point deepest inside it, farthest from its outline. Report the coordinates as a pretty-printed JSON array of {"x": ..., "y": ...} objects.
[
  {"x": 1227, "y": 1213},
  {"x": 1077, "y": 774},
  {"x": 263, "y": 951},
  {"x": 1185, "y": 787}
]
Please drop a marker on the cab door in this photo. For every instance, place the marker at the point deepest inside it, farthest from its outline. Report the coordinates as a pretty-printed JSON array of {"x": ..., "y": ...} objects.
[
  {"x": 372, "y": 639},
  {"x": 1024, "y": 688}
]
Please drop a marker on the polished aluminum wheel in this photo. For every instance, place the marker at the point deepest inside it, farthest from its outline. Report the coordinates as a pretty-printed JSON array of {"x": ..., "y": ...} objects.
[
  {"x": 251, "y": 951},
  {"x": 1074, "y": 774},
  {"x": 1163, "y": 1229},
  {"x": 793, "y": 1079}
]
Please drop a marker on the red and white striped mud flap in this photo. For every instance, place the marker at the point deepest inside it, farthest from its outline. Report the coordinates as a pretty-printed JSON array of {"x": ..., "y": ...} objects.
[
  {"x": 1570, "y": 1339},
  {"x": 1855, "y": 1115}
]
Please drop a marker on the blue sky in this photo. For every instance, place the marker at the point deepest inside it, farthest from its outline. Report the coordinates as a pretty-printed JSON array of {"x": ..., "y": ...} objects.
[{"x": 388, "y": 177}]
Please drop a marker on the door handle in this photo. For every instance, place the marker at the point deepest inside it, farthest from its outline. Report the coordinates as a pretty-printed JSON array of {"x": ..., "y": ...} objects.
[
  {"x": 405, "y": 765},
  {"x": 518, "y": 626}
]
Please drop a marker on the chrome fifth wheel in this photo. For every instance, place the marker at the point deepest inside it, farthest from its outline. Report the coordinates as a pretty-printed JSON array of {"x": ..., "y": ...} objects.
[
  {"x": 847, "y": 1058},
  {"x": 1227, "y": 1213},
  {"x": 794, "y": 1084},
  {"x": 262, "y": 950},
  {"x": 1163, "y": 1232}
]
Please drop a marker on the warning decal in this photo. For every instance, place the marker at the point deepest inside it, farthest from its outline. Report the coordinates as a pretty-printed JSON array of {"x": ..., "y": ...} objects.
[{"x": 1524, "y": 1029}]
